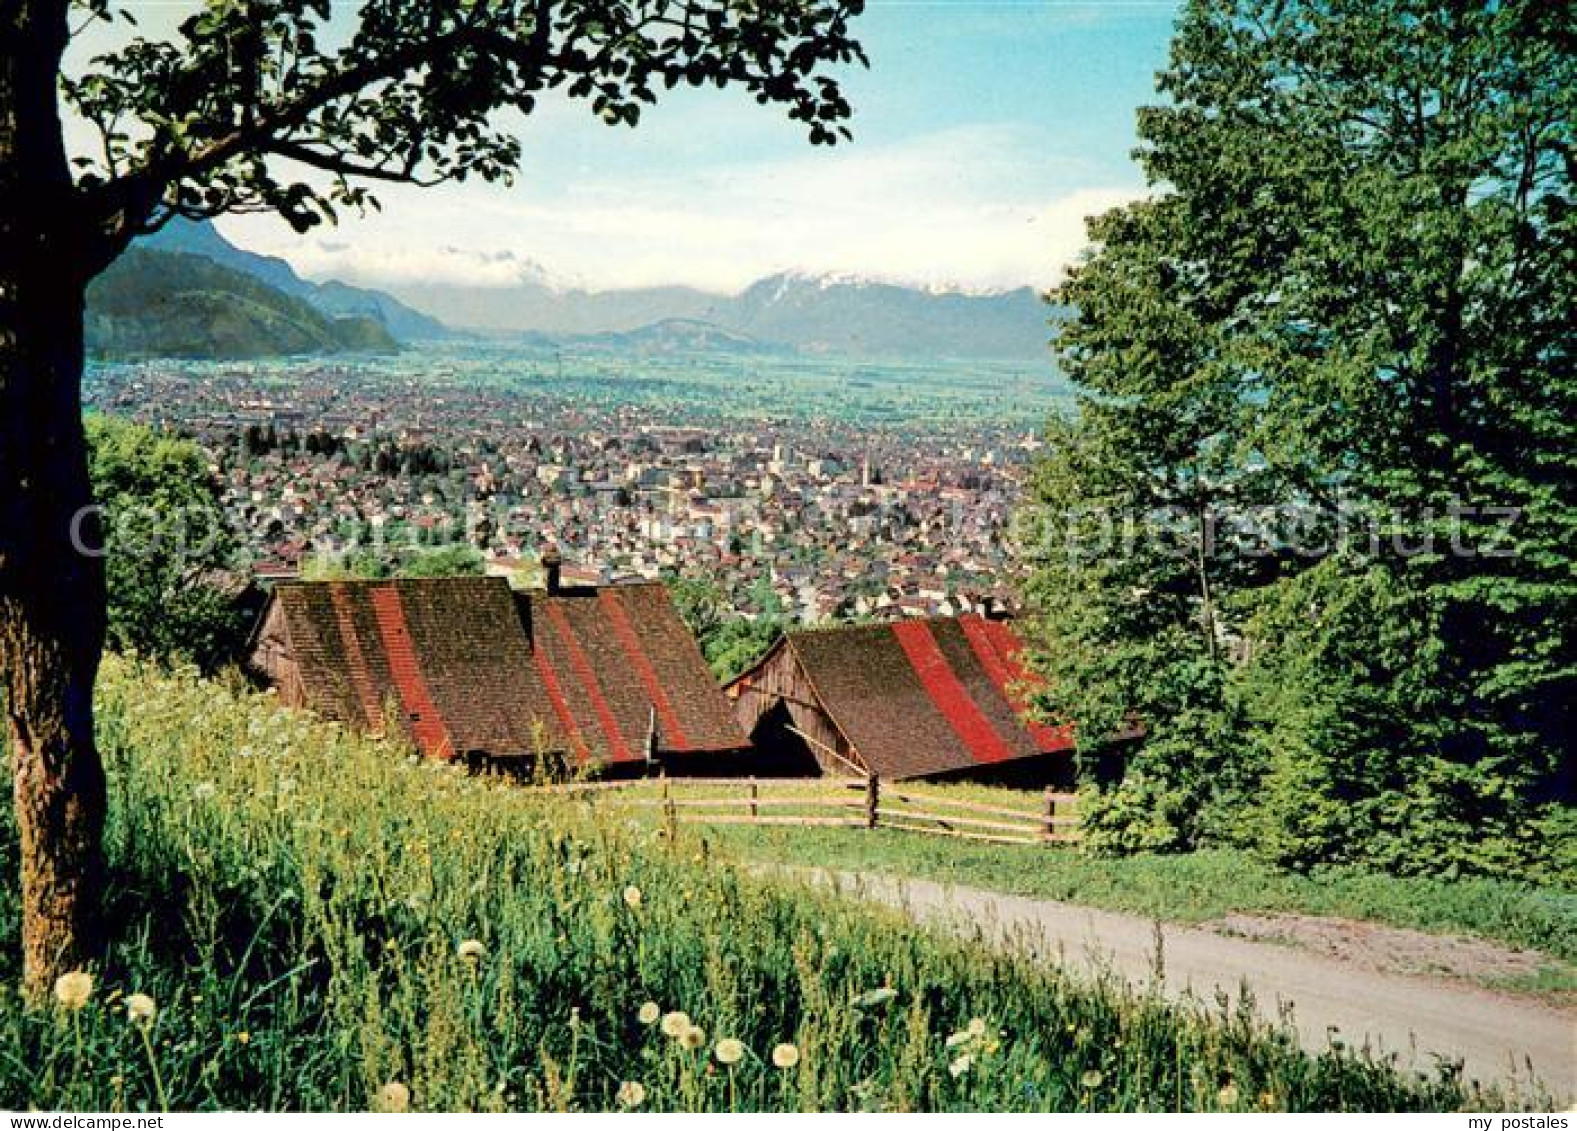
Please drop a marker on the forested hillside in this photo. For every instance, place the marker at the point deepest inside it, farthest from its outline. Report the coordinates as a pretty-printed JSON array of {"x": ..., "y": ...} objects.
[{"x": 171, "y": 304}]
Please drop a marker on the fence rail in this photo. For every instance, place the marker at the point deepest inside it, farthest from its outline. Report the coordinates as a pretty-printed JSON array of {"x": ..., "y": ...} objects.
[{"x": 902, "y": 807}]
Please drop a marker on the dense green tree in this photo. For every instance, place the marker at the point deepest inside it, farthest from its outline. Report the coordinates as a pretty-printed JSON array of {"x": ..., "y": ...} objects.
[
  {"x": 1328, "y": 410},
  {"x": 169, "y": 550},
  {"x": 291, "y": 106}
]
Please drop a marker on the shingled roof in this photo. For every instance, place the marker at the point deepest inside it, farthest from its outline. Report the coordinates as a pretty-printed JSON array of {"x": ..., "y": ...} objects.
[
  {"x": 917, "y": 698},
  {"x": 446, "y": 656},
  {"x": 610, "y": 656},
  {"x": 470, "y": 667}
]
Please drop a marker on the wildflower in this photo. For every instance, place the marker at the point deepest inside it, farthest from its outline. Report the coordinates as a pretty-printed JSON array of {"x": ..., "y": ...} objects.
[
  {"x": 675, "y": 1024},
  {"x": 649, "y": 1013},
  {"x": 471, "y": 950},
  {"x": 141, "y": 1009},
  {"x": 394, "y": 1096},
  {"x": 977, "y": 1026},
  {"x": 960, "y": 1038},
  {"x": 243, "y": 1037},
  {"x": 203, "y": 790},
  {"x": 729, "y": 1051},
  {"x": 960, "y": 1066},
  {"x": 694, "y": 1037},
  {"x": 876, "y": 997},
  {"x": 632, "y": 897},
  {"x": 1092, "y": 1078},
  {"x": 73, "y": 990},
  {"x": 1228, "y": 1096},
  {"x": 632, "y": 1093}
]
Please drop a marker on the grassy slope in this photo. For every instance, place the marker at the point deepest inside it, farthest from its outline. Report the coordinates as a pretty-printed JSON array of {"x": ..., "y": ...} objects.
[{"x": 293, "y": 898}]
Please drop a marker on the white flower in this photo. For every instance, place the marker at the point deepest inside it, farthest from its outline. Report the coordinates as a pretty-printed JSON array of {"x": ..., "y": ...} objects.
[
  {"x": 472, "y": 950},
  {"x": 1228, "y": 1096},
  {"x": 203, "y": 790},
  {"x": 960, "y": 1066},
  {"x": 632, "y": 1093},
  {"x": 977, "y": 1027},
  {"x": 73, "y": 990},
  {"x": 141, "y": 1009},
  {"x": 729, "y": 1051},
  {"x": 632, "y": 897},
  {"x": 394, "y": 1096},
  {"x": 1091, "y": 1078},
  {"x": 676, "y": 1024},
  {"x": 649, "y": 1013},
  {"x": 963, "y": 1037},
  {"x": 785, "y": 1055}
]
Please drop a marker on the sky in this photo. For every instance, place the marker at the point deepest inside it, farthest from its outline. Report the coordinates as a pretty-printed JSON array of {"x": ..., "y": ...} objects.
[{"x": 985, "y": 132}]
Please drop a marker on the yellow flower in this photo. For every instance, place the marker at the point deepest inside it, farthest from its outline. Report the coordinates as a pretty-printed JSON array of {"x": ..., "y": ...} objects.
[
  {"x": 675, "y": 1024},
  {"x": 244, "y": 1037},
  {"x": 141, "y": 1009},
  {"x": 729, "y": 1051},
  {"x": 632, "y": 1093},
  {"x": 649, "y": 1013},
  {"x": 1228, "y": 1096},
  {"x": 472, "y": 950},
  {"x": 1092, "y": 1078},
  {"x": 785, "y": 1055},
  {"x": 694, "y": 1037},
  {"x": 73, "y": 990},
  {"x": 394, "y": 1096},
  {"x": 632, "y": 897}
]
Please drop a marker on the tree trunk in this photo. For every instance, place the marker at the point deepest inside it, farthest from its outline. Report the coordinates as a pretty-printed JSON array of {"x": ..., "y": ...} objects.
[{"x": 51, "y": 592}]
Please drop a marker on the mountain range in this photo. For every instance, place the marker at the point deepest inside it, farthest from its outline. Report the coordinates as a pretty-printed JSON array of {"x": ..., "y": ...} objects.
[
  {"x": 819, "y": 314},
  {"x": 791, "y": 310}
]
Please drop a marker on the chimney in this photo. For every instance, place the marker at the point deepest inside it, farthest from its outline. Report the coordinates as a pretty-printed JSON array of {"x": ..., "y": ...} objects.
[{"x": 552, "y": 562}]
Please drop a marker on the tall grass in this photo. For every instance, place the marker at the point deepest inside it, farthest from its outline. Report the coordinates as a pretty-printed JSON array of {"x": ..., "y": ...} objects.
[{"x": 295, "y": 898}]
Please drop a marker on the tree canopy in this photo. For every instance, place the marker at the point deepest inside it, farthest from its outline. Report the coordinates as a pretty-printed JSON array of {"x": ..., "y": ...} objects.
[{"x": 1313, "y": 523}]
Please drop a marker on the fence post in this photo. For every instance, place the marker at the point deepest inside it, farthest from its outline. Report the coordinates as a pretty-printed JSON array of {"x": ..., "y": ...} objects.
[
  {"x": 754, "y": 811},
  {"x": 1051, "y": 813},
  {"x": 872, "y": 799}
]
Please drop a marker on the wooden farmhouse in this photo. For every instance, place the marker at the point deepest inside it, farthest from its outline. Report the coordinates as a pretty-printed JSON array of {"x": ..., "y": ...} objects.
[
  {"x": 469, "y": 669},
  {"x": 938, "y": 698}
]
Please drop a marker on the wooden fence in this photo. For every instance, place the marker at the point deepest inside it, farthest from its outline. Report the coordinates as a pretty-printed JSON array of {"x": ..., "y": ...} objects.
[{"x": 840, "y": 802}]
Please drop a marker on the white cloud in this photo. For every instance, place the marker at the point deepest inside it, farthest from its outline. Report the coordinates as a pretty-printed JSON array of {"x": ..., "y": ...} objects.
[{"x": 952, "y": 207}]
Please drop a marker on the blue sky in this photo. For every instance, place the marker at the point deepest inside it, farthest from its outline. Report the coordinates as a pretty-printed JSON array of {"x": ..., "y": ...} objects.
[{"x": 985, "y": 131}]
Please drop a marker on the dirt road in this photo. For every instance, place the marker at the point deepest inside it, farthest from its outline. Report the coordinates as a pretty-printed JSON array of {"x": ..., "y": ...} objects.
[{"x": 1496, "y": 1036}]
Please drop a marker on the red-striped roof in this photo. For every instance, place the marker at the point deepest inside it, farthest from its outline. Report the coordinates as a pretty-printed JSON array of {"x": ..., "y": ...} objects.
[
  {"x": 464, "y": 665},
  {"x": 917, "y": 698}
]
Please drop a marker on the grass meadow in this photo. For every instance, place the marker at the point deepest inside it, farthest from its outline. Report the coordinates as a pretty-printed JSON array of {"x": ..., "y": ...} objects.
[{"x": 305, "y": 919}]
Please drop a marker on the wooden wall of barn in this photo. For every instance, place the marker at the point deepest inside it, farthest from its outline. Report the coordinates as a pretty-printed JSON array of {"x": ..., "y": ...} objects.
[
  {"x": 274, "y": 661},
  {"x": 779, "y": 688}
]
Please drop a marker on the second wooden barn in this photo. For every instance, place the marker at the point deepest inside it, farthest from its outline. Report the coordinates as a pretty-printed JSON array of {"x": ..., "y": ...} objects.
[{"x": 938, "y": 698}]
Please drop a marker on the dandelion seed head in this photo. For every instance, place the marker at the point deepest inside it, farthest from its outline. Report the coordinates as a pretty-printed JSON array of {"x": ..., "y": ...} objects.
[
  {"x": 977, "y": 1026},
  {"x": 632, "y": 1093},
  {"x": 694, "y": 1037},
  {"x": 632, "y": 897},
  {"x": 141, "y": 1009},
  {"x": 73, "y": 990},
  {"x": 394, "y": 1096},
  {"x": 785, "y": 1055},
  {"x": 729, "y": 1051},
  {"x": 472, "y": 950},
  {"x": 649, "y": 1013},
  {"x": 1228, "y": 1096},
  {"x": 1092, "y": 1078},
  {"x": 676, "y": 1024},
  {"x": 960, "y": 1066}
]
